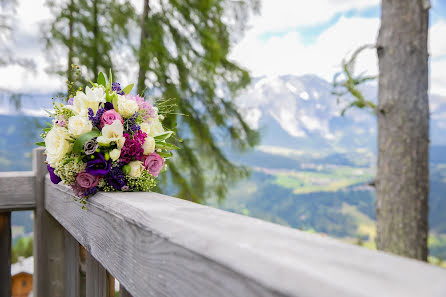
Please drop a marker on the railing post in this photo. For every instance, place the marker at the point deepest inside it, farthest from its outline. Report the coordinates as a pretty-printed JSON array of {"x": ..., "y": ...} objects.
[
  {"x": 48, "y": 278},
  {"x": 40, "y": 250},
  {"x": 98, "y": 281},
  {"x": 5, "y": 254},
  {"x": 72, "y": 273}
]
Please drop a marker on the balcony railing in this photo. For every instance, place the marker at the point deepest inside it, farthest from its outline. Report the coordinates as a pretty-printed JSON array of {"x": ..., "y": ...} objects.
[{"x": 156, "y": 245}]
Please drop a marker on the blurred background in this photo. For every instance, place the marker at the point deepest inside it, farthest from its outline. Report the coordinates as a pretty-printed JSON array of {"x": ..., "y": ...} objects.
[{"x": 265, "y": 129}]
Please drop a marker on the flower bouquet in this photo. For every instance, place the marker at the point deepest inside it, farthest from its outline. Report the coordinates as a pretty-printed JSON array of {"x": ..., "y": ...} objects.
[{"x": 106, "y": 139}]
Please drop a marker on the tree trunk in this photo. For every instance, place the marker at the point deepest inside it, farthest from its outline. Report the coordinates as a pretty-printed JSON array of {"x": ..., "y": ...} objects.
[
  {"x": 70, "y": 42},
  {"x": 95, "y": 40},
  {"x": 403, "y": 129},
  {"x": 142, "y": 61}
]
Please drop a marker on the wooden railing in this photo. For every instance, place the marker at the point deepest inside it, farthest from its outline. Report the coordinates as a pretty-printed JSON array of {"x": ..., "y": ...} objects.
[{"x": 156, "y": 245}]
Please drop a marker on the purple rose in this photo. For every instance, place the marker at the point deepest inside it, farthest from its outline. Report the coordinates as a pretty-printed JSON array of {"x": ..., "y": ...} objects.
[
  {"x": 153, "y": 163},
  {"x": 109, "y": 117},
  {"x": 98, "y": 166},
  {"x": 86, "y": 180},
  {"x": 54, "y": 178}
]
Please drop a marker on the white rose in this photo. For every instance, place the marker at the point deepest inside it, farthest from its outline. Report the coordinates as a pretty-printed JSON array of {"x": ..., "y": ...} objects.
[
  {"x": 126, "y": 107},
  {"x": 111, "y": 133},
  {"x": 136, "y": 168},
  {"x": 156, "y": 128},
  {"x": 78, "y": 125},
  {"x": 57, "y": 145},
  {"x": 149, "y": 145},
  {"x": 115, "y": 154},
  {"x": 145, "y": 127},
  {"x": 90, "y": 99}
]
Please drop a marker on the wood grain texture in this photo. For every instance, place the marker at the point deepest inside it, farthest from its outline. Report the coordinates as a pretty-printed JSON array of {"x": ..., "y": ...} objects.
[
  {"x": 156, "y": 245},
  {"x": 17, "y": 190},
  {"x": 56, "y": 257},
  {"x": 97, "y": 279},
  {"x": 40, "y": 248},
  {"x": 5, "y": 254},
  {"x": 72, "y": 272}
]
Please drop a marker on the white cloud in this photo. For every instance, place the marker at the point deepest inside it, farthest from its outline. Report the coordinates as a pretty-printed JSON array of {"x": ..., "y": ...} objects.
[
  {"x": 288, "y": 54},
  {"x": 283, "y": 15}
]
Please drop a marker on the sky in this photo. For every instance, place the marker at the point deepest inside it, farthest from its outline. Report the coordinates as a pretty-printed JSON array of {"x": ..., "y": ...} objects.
[{"x": 287, "y": 37}]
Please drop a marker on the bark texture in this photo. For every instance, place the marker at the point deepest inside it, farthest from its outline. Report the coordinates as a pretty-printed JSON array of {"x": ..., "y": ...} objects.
[
  {"x": 142, "y": 61},
  {"x": 403, "y": 129}
]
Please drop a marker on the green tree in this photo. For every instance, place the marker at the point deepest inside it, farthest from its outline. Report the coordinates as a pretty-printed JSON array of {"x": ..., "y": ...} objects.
[
  {"x": 86, "y": 31},
  {"x": 23, "y": 248},
  {"x": 183, "y": 55}
]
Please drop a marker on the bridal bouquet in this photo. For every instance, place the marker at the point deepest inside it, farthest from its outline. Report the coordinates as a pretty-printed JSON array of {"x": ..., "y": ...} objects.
[{"x": 106, "y": 139}]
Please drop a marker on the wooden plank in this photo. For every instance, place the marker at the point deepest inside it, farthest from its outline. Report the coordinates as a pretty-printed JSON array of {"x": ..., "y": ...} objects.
[
  {"x": 72, "y": 272},
  {"x": 56, "y": 257},
  {"x": 161, "y": 246},
  {"x": 5, "y": 254},
  {"x": 40, "y": 248},
  {"x": 17, "y": 190},
  {"x": 123, "y": 292},
  {"x": 97, "y": 279}
]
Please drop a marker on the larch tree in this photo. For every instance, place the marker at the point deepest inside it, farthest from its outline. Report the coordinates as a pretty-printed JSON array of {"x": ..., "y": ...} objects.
[
  {"x": 87, "y": 32},
  {"x": 402, "y": 182},
  {"x": 183, "y": 56}
]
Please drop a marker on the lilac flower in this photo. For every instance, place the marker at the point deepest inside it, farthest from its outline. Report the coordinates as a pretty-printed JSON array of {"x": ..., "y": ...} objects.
[
  {"x": 70, "y": 101},
  {"x": 98, "y": 166},
  {"x": 54, "y": 178},
  {"x": 96, "y": 120},
  {"x": 117, "y": 87}
]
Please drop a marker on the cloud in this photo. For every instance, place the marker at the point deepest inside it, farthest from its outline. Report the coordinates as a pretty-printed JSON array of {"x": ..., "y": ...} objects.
[
  {"x": 288, "y": 54},
  {"x": 284, "y": 15}
]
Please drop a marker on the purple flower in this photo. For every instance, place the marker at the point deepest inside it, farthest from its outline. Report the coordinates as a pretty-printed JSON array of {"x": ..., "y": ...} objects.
[
  {"x": 130, "y": 125},
  {"x": 116, "y": 179},
  {"x": 108, "y": 106},
  {"x": 86, "y": 180},
  {"x": 96, "y": 120},
  {"x": 153, "y": 163},
  {"x": 109, "y": 117},
  {"x": 117, "y": 87},
  {"x": 54, "y": 178},
  {"x": 70, "y": 101},
  {"x": 91, "y": 192},
  {"x": 133, "y": 149},
  {"x": 98, "y": 166}
]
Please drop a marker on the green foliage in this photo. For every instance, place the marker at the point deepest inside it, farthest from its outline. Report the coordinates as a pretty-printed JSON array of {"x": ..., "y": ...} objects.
[
  {"x": 345, "y": 82},
  {"x": 88, "y": 30},
  {"x": 183, "y": 53},
  {"x": 23, "y": 248}
]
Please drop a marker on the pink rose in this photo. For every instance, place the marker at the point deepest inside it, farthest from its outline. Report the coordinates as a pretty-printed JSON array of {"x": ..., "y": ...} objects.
[
  {"x": 153, "y": 163},
  {"x": 109, "y": 117},
  {"x": 86, "y": 180}
]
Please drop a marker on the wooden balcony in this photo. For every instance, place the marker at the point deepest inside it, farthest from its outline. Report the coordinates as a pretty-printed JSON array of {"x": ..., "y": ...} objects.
[{"x": 156, "y": 245}]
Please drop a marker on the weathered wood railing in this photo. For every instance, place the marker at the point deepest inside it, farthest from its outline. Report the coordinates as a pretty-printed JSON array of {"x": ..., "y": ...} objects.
[{"x": 161, "y": 246}]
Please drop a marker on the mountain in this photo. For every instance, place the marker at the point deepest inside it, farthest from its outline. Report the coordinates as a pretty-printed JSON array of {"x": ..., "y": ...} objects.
[{"x": 299, "y": 112}]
